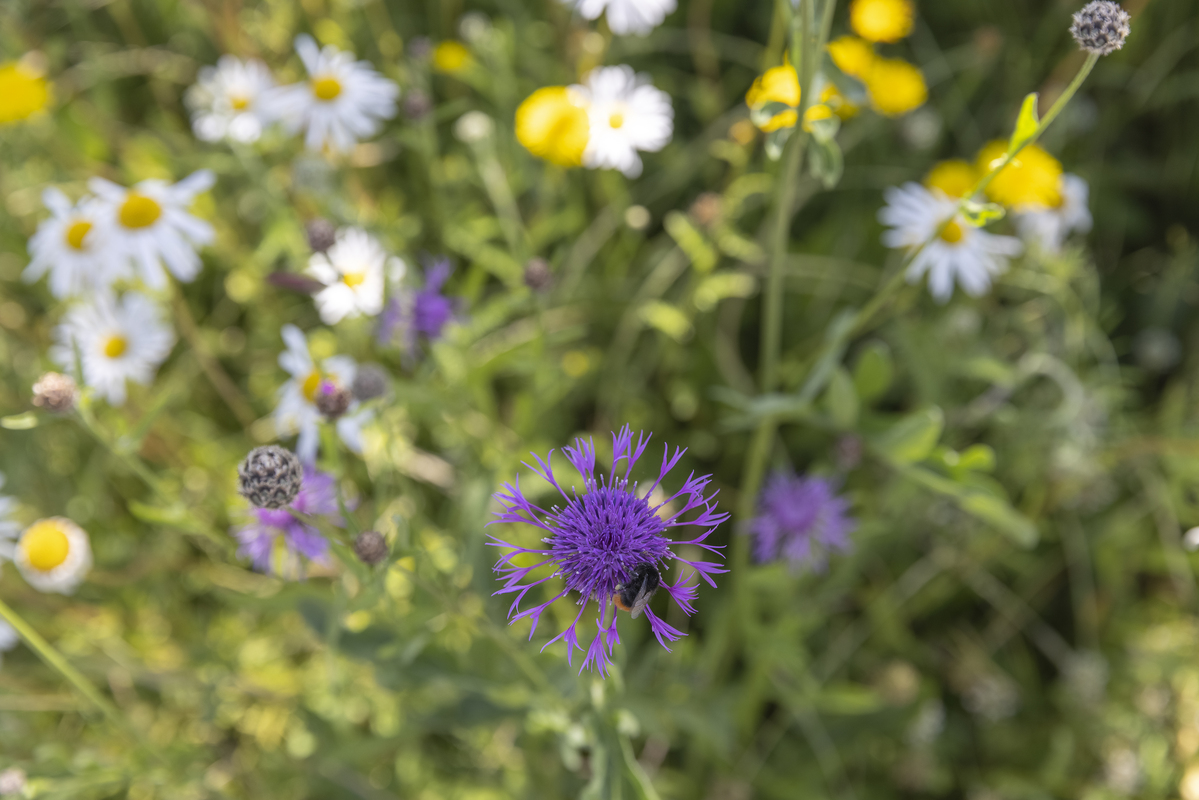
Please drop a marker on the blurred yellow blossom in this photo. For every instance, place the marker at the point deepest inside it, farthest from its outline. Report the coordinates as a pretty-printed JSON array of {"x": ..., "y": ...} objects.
[
  {"x": 896, "y": 87},
  {"x": 815, "y": 113},
  {"x": 954, "y": 177},
  {"x": 1033, "y": 180},
  {"x": 451, "y": 57},
  {"x": 839, "y": 103},
  {"x": 23, "y": 92},
  {"x": 881, "y": 20},
  {"x": 852, "y": 55},
  {"x": 552, "y": 125},
  {"x": 776, "y": 85}
]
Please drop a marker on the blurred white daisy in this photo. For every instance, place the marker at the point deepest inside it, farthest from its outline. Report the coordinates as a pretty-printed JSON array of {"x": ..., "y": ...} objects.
[
  {"x": 9, "y": 638},
  {"x": 75, "y": 246},
  {"x": 960, "y": 252},
  {"x": 1049, "y": 227},
  {"x": 115, "y": 340},
  {"x": 9, "y": 527},
  {"x": 352, "y": 272},
  {"x": 54, "y": 555},
  {"x": 152, "y": 228},
  {"x": 626, "y": 114},
  {"x": 626, "y": 16},
  {"x": 342, "y": 101},
  {"x": 226, "y": 101},
  {"x": 297, "y": 412}
]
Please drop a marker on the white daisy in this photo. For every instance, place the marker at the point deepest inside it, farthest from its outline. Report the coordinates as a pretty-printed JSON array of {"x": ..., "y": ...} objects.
[
  {"x": 960, "y": 252},
  {"x": 9, "y": 527},
  {"x": 352, "y": 271},
  {"x": 226, "y": 100},
  {"x": 54, "y": 555},
  {"x": 151, "y": 226},
  {"x": 626, "y": 114},
  {"x": 116, "y": 340},
  {"x": 9, "y": 638},
  {"x": 1049, "y": 227},
  {"x": 342, "y": 101},
  {"x": 75, "y": 246},
  {"x": 626, "y": 16},
  {"x": 297, "y": 411}
]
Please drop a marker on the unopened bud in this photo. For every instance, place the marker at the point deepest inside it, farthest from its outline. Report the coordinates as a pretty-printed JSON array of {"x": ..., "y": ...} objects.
[
  {"x": 370, "y": 547},
  {"x": 370, "y": 381},
  {"x": 321, "y": 234},
  {"x": 416, "y": 104},
  {"x": 270, "y": 477},
  {"x": 537, "y": 274},
  {"x": 55, "y": 392},
  {"x": 332, "y": 400}
]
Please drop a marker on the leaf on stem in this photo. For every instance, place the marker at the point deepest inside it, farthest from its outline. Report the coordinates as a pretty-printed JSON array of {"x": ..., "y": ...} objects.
[
  {"x": 980, "y": 214},
  {"x": 1026, "y": 124}
]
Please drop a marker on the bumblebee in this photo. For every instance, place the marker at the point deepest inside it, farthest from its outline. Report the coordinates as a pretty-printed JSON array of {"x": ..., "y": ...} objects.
[{"x": 634, "y": 595}]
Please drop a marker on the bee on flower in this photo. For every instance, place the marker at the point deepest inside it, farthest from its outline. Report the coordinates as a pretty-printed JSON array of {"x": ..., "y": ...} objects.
[
  {"x": 277, "y": 542},
  {"x": 626, "y": 16},
  {"x": 113, "y": 341},
  {"x": 151, "y": 228},
  {"x": 352, "y": 271},
  {"x": 226, "y": 100},
  {"x": 608, "y": 544},
  {"x": 626, "y": 114},
  {"x": 298, "y": 411},
  {"x": 75, "y": 246},
  {"x": 54, "y": 555},
  {"x": 342, "y": 102}
]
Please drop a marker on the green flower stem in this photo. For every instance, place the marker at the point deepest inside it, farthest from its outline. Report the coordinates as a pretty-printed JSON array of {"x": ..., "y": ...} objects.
[
  {"x": 55, "y": 660},
  {"x": 130, "y": 460}
]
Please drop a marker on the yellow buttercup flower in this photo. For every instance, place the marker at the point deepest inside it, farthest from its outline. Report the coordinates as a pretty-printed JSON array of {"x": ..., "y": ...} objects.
[
  {"x": 852, "y": 55},
  {"x": 896, "y": 87},
  {"x": 451, "y": 57},
  {"x": 776, "y": 85},
  {"x": 1032, "y": 181},
  {"x": 815, "y": 114},
  {"x": 954, "y": 177},
  {"x": 23, "y": 92},
  {"x": 838, "y": 102},
  {"x": 552, "y": 126},
  {"x": 881, "y": 20}
]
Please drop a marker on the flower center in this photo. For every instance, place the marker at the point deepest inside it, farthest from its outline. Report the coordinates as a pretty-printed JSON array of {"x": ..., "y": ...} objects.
[
  {"x": 139, "y": 211},
  {"x": 116, "y": 346},
  {"x": 616, "y": 120},
  {"x": 326, "y": 88},
  {"x": 45, "y": 545},
  {"x": 239, "y": 102},
  {"x": 952, "y": 233},
  {"x": 311, "y": 384},
  {"x": 353, "y": 279},
  {"x": 77, "y": 232}
]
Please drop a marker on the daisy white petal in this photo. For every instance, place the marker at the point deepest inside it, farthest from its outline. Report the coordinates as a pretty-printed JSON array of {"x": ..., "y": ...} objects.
[
  {"x": 75, "y": 245},
  {"x": 226, "y": 101},
  {"x": 1049, "y": 227},
  {"x": 626, "y": 16},
  {"x": 54, "y": 555},
  {"x": 626, "y": 114},
  {"x": 353, "y": 273},
  {"x": 297, "y": 413}
]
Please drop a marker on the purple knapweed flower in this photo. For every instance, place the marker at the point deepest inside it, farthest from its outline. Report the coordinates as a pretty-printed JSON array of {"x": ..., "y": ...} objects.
[
  {"x": 421, "y": 312},
  {"x": 596, "y": 541},
  {"x": 800, "y": 519},
  {"x": 276, "y": 540}
]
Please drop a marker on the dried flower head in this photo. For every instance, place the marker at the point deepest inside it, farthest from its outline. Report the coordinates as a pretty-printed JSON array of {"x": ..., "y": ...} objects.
[
  {"x": 800, "y": 519},
  {"x": 333, "y": 400},
  {"x": 538, "y": 276},
  {"x": 270, "y": 476},
  {"x": 600, "y": 539},
  {"x": 321, "y": 234},
  {"x": 1101, "y": 27},
  {"x": 55, "y": 392},
  {"x": 370, "y": 381},
  {"x": 370, "y": 547}
]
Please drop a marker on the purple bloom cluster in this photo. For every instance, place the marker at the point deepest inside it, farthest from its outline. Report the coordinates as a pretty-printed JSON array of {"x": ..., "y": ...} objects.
[
  {"x": 596, "y": 541},
  {"x": 423, "y": 312},
  {"x": 801, "y": 519},
  {"x": 317, "y": 497}
]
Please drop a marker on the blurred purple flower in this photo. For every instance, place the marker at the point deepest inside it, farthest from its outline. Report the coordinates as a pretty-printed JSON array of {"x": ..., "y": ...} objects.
[
  {"x": 600, "y": 537},
  {"x": 419, "y": 313},
  {"x": 801, "y": 519},
  {"x": 259, "y": 540}
]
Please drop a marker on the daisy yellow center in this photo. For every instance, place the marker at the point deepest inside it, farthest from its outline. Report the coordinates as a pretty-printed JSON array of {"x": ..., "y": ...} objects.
[
  {"x": 881, "y": 20},
  {"x": 239, "y": 102},
  {"x": 22, "y": 93},
  {"x": 616, "y": 120},
  {"x": 77, "y": 232},
  {"x": 45, "y": 545},
  {"x": 311, "y": 384},
  {"x": 326, "y": 88},
  {"x": 139, "y": 211},
  {"x": 115, "y": 346},
  {"x": 952, "y": 233},
  {"x": 353, "y": 279},
  {"x": 551, "y": 126}
]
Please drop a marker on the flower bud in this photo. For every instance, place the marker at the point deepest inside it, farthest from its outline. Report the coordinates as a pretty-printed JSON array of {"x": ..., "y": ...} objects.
[
  {"x": 537, "y": 274},
  {"x": 332, "y": 400},
  {"x": 1101, "y": 27},
  {"x": 55, "y": 392},
  {"x": 370, "y": 381},
  {"x": 270, "y": 477},
  {"x": 370, "y": 547},
  {"x": 321, "y": 234},
  {"x": 416, "y": 104}
]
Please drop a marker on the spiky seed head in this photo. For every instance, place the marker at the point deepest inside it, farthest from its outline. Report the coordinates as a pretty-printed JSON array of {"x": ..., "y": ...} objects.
[
  {"x": 333, "y": 401},
  {"x": 1101, "y": 27},
  {"x": 270, "y": 477},
  {"x": 321, "y": 234},
  {"x": 370, "y": 381},
  {"x": 55, "y": 392},
  {"x": 370, "y": 547}
]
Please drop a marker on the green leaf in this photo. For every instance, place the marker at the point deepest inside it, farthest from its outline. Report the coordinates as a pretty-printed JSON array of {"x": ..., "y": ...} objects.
[
  {"x": 874, "y": 371},
  {"x": 848, "y": 699},
  {"x": 998, "y": 513},
  {"x": 913, "y": 438},
  {"x": 722, "y": 285},
  {"x": 977, "y": 458},
  {"x": 850, "y": 87},
  {"x": 668, "y": 319},
  {"x": 775, "y": 141},
  {"x": 20, "y": 422},
  {"x": 841, "y": 399},
  {"x": 979, "y": 214},
  {"x": 827, "y": 163},
  {"x": 823, "y": 130},
  {"x": 1026, "y": 124},
  {"x": 703, "y": 256}
]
